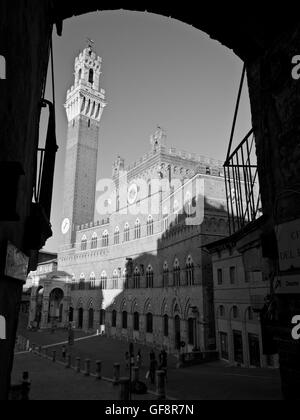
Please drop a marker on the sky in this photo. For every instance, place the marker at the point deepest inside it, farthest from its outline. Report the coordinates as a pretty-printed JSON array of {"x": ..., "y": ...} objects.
[{"x": 156, "y": 71}]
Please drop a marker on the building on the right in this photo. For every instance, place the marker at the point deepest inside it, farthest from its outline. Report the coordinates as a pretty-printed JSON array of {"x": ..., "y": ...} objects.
[{"x": 241, "y": 276}]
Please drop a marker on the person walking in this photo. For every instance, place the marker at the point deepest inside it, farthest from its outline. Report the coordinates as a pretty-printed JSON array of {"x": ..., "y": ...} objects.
[
  {"x": 139, "y": 359},
  {"x": 153, "y": 367},
  {"x": 63, "y": 352},
  {"x": 164, "y": 362}
]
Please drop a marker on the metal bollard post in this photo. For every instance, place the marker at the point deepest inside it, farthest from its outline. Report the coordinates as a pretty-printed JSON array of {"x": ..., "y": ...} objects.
[
  {"x": 68, "y": 361},
  {"x": 98, "y": 369},
  {"x": 54, "y": 356},
  {"x": 124, "y": 389},
  {"x": 87, "y": 371},
  {"x": 40, "y": 350},
  {"x": 116, "y": 373},
  {"x": 78, "y": 364},
  {"x": 33, "y": 347},
  {"x": 136, "y": 374},
  {"x": 161, "y": 384}
]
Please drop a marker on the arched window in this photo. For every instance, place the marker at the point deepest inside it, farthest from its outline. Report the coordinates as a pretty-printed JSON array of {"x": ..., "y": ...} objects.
[
  {"x": 136, "y": 278},
  {"x": 114, "y": 318},
  {"x": 115, "y": 280},
  {"x": 124, "y": 320},
  {"x": 165, "y": 275},
  {"x": 105, "y": 239},
  {"x": 125, "y": 278},
  {"x": 137, "y": 229},
  {"x": 149, "y": 277},
  {"x": 82, "y": 282},
  {"x": 79, "y": 74},
  {"x": 92, "y": 281},
  {"x": 94, "y": 243},
  {"x": 103, "y": 282},
  {"x": 221, "y": 311},
  {"x": 235, "y": 312},
  {"x": 117, "y": 236},
  {"x": 166, "y": 325},
  {"x": 136, "y": 321},
  {"x": 126, "y": 233},
  {"x": 2, "y": 67},
  {"x": 190, "y": 279},
  {"x": 149, "y": 323},
  {"x": 91, "y": 319},
  {"x": 176, "y": 273},
  {"x": 191, "y": 331},
  {"x": 84, "y": 243},
  {"x": 150, "y": 226},
  {"x": 91, "y": 76}
]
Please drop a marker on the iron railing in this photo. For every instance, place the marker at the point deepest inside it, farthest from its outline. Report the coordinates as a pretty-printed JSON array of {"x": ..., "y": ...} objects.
[{"x": 242, "y": 185}]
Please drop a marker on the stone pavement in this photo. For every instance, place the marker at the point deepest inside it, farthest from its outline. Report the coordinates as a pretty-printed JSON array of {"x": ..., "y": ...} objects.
[
  {"x": 52, "y": 381},
  {"x": 213, "y": 381}
]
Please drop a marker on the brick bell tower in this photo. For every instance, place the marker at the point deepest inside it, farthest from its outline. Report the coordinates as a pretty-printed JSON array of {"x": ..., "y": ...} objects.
[{"x": 84, "y": 106}]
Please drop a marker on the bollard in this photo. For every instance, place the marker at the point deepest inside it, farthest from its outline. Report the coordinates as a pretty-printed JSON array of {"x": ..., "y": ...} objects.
[
  {"x": 116, "y": 373},
  {"x": 54, "y": 356},
  {"x": 78, "y": 364},
  {"x": 33, "y": 348},
  {"x": 46, "y": 352},
  {"x": 124, "y": 389},
  {"x": 40, "y": 350},
  {"x": 136, "y": 374},
  {"x": 68, "y": 361},
  {"x": 98, "y": 369},
  {"x": 87, "y": 371},
  {"x": 161, "y": 384}
]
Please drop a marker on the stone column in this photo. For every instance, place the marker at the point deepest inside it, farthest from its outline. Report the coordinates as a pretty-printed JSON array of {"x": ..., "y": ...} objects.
[
  {"x": 97, "y": 319},
  {"x": 85, "y": 326},
  {"x": 45, "y": 312}
]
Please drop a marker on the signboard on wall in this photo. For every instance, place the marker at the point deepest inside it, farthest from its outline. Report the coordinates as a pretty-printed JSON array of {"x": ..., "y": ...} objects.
[
  {"x": 16, "y": 265},
  {"x": 287, "y": 284},
  {"x": 288, "y": 239}
]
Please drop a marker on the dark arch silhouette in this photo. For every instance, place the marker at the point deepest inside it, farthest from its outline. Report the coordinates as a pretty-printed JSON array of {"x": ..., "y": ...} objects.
[{"x": 229, "y": 25}]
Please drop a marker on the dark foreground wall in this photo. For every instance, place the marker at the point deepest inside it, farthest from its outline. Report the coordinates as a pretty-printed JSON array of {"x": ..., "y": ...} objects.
[{"x": 24, "y": 40}]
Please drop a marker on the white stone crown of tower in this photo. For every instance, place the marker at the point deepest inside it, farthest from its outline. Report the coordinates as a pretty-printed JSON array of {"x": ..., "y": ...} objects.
[{"x": 86, "y": 97}]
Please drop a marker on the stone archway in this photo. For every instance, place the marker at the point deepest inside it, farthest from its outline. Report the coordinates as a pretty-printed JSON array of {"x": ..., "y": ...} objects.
[{"x": 55, "y": 313}]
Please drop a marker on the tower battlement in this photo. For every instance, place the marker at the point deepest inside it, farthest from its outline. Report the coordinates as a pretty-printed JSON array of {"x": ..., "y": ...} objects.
[{"x": 86, "y": 97}]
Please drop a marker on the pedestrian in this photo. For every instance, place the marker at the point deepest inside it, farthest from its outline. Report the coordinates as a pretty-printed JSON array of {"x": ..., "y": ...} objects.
[
  {"x": 127, "y": 359},
  {"x": 139, "y": 359},
  {"x": 153, "y": 366},
  {"x": 63, "y": 352},
  {"x": 164, "y": 362}
]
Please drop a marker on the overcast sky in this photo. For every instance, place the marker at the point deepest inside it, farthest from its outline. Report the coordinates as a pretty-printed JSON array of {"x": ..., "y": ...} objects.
[{"x": 156, "y": 71}]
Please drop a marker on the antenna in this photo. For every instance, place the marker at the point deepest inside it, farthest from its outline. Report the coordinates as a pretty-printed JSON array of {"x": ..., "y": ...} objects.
[{"x": 90, "y": 43}]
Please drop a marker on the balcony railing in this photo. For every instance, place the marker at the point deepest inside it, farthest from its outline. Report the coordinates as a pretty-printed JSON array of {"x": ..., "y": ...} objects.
[{"x": 242, "y": 185}]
